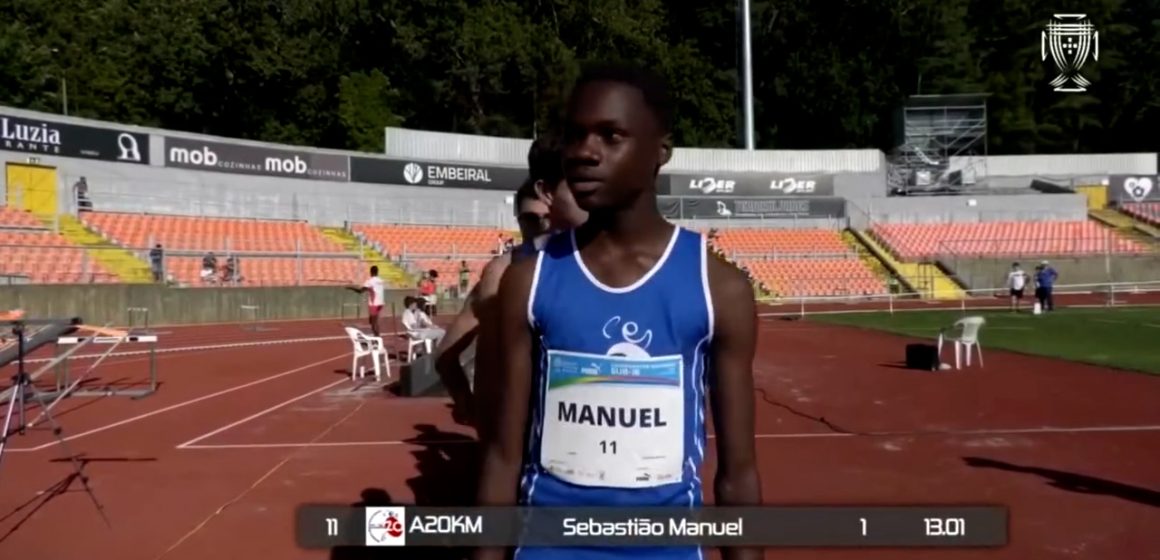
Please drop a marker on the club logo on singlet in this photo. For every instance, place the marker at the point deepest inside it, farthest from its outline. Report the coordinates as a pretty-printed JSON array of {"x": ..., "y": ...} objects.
[{"x": 615, "y": 419}]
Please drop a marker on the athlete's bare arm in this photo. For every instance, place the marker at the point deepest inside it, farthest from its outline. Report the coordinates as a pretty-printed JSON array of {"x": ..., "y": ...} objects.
[
  {"x": 731, "y": 391},
  {"x": 464, "y": 330},
  {"x": 487, "y": 346},
  {"x": 503, "y": 446},
  {"x": 448, "y": 356}
]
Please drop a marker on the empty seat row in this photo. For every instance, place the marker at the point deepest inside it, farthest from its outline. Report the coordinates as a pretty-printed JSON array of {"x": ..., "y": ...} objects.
[
  {"x": 1144, "y": 211},
  {"x": 1002, "y": 239},
  {"x": 202, "y": 234},
  {"x": 396, "y": 240},
  {"x": 14, "y": 218}
]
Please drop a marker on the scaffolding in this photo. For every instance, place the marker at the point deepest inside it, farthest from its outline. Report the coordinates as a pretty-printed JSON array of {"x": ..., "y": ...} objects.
[{"x": 943, "y": 143}]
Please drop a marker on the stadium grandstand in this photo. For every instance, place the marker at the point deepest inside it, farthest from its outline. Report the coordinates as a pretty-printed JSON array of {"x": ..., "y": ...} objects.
[{"x": 936, "y": 219}]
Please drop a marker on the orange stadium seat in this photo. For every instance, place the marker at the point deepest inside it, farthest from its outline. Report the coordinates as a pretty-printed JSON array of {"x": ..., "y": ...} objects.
[
  {"x": 47, "y": 258},
  {"x": 816, "y": 277},
  {"x": 920, "y": 241},
  {"x": 448, "y": 269},
  {"x": 13, "y": 218},
  {"x": 401, "y": 240},
  {"x": 275, "y": 271},
  {"x": 1143, "y": 211},
  {"x": 137, "y": 231},
  {"x": 245, "y": 237},
  {"x": 799, "y": 262}
]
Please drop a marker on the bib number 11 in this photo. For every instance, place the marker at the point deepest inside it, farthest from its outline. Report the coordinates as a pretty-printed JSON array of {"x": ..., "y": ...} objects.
[{"x": 608, "y": 447}]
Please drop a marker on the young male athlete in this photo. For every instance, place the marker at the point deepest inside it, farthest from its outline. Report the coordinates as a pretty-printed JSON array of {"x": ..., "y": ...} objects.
[
  {"x": 543, "y": 204},
  {"x": 374, "y": 289},
  {"x": 612, "y": 335}
]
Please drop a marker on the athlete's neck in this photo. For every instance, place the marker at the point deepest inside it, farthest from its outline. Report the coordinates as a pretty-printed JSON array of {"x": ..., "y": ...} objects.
[{"x": 632, "y": 224}]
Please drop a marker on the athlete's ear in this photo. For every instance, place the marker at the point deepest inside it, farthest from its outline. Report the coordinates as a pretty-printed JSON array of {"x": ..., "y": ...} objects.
[
  {"x": 541, "y": 192},
  {"x": 666, "y": 149}
]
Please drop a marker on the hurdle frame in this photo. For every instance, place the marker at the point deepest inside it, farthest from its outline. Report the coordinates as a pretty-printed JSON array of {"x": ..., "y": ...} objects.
[
  {"x": 131, "y": 314},
  {"x": 63, "y": 380},
  {"x": 249, "y": 315}
]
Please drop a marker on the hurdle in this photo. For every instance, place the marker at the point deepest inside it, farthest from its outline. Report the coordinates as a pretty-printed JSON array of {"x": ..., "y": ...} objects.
[
  {"x": 131, "y": 316},
  {"x": 250, "y": 318},
  {"x": 63, "y": 381}
]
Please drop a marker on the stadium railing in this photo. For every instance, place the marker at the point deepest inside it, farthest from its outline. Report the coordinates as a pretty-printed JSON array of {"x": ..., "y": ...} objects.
[{"x": 988, "y": 299}]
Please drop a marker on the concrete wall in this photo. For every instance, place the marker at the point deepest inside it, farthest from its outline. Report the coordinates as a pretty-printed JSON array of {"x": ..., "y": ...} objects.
[
  {"x": 116, "y": 187},
  {"x": 98, "y": 304},
  {"x": 990, "y": 208},
  {"x": 992, "y": 273}
]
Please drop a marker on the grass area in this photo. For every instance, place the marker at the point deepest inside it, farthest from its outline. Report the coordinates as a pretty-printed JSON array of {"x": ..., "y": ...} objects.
[{"x": 1125, "y": 338}]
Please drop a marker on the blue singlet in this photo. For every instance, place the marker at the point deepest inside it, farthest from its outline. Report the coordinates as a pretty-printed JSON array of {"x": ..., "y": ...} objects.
[{"x": 617, "y": 412}]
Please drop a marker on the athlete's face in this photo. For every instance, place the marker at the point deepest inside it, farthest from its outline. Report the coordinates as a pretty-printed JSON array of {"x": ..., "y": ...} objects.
[
  {"x": 562, "y": 208},
  {"x": 533, "y": 218},
  {"x": 613, "y": 145}
]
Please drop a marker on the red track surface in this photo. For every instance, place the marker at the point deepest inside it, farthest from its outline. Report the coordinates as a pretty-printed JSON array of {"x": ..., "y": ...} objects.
[{"x": 953, "y": 437}]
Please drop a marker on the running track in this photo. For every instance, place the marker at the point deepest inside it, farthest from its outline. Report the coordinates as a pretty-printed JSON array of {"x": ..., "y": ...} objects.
[{"x": 214, "y": 464}]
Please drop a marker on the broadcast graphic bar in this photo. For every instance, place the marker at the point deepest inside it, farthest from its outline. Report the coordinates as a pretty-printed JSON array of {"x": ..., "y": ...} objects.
[{"x": 321, "y": 526}]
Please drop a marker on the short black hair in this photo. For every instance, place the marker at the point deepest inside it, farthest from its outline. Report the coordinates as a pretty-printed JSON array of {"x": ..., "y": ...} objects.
[
  {"x": 546, "y": 161},
  {"x": 375, "y": 270},
  {"x": 652, "y": 86},
  {"x": 527, "y": 191}
]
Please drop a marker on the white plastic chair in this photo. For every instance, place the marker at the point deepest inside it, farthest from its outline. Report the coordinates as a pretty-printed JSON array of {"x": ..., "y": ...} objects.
[
  {"x": 414, "y": 340},
  {"x": 968, "y": 338},
  {"x": 365, "y": 346}
]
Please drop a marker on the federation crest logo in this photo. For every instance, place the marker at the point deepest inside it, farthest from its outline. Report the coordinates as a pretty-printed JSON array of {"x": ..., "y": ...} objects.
[
  {"x": 1138, "y": 188},
  {"x": 385, "y": 526},
  {"x": 1069, "y": 40}
]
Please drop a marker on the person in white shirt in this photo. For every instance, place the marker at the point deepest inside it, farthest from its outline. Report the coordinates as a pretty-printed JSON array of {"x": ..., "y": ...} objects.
[
  {"x": 1016, "y": 282},
  {"x": 416, "y": 321},
  {"x": 374, "y": 289}
]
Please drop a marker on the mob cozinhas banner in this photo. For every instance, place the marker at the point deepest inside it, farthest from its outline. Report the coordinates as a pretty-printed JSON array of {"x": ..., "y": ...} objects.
[{"x": 205, "y": 155}]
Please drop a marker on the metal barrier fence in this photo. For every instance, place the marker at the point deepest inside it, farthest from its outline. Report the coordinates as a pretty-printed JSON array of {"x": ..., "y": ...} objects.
[
  {"x": 978, "y": 300},
  {"x": 1110, "y": 243},
  {"x": 70, "y": 264}
]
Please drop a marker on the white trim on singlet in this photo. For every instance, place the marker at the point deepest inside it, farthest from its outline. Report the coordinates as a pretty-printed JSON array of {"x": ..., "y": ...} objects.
[
  {"x": 705, "y": 284},
  {"x": 640, "y": 282},
  {"x": 532, "y": 292}
]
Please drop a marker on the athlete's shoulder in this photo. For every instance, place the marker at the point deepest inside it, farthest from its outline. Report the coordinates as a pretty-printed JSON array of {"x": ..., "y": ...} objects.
[{"x": 726, "y": 281}]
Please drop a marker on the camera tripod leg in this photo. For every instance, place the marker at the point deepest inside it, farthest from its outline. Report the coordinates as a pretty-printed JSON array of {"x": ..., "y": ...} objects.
[
  {"x": 78, "y": 466},
  {"x": 16, "y": 400}
]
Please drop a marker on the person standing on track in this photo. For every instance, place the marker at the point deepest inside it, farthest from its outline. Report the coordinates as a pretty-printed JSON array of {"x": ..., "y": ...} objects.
[
  {"x": 612, "y": 334},
  {"x": 374, "y": 288},
  {"x": 1016, "y": 282},
  {"x": 543, "y": 204}
]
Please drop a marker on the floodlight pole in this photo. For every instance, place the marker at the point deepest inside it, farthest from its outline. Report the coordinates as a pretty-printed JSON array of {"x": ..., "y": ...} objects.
[{"x": 747, "y": 74}]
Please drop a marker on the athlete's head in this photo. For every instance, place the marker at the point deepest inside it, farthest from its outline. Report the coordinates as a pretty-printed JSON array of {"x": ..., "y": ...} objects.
[
  {"x": 617, "y": 135},
  {"x": 531, "y": 212},
  {"x": 411, "y": 303},
  {"x": 374, "y": 271},
  {"x": 546, "y": 171}
]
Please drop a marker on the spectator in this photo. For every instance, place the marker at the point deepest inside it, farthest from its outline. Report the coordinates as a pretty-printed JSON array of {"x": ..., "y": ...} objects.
[
  {"x": 81, "y": 194},
  {"x": 426, "y": 290},
  {"x": 209, "y": 267},
  {"x": 1045, "y": 277},
  {"x": 1016, "y": 281},
  {"x": 464, "y": 279},
  {"x": 230, "y": 273},
  {"x": 418, "y": 324},
  {"x": 157, "y": 262}
]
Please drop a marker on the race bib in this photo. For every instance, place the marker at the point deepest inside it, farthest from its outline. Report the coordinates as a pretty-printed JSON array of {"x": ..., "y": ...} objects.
[{"x": 612, "y": 421}]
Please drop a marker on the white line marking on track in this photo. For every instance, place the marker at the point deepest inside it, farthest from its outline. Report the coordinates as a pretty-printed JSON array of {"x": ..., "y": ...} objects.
[
  {"x": 806, "y": 435},
  {"x": 181, "y": 404},
  {"x": 261, "y": 413}
]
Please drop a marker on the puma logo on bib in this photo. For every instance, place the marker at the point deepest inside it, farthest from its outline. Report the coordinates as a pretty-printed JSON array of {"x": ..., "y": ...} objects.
[{"x": 615, "y": 420}]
